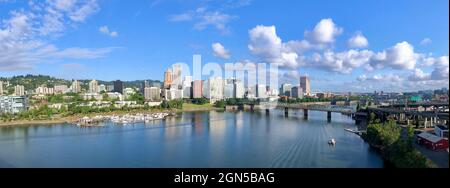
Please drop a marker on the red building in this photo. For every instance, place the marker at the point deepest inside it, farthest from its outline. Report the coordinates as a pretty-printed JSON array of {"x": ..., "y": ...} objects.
[{"x": 432, "y": 141}]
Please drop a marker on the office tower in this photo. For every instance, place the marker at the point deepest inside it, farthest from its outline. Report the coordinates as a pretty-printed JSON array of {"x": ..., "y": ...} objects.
[
  {"x": 93, "y": 86},
  {"x": 172, "y": 94},
  {"x": 176, "y": 75},
  {"x": 213, "y": 89},
  {"x": 76, "y": 88},
  {"x": 305, "y": 84},
  {"x": 118, "y": 86},
  {"x": 197, "y": 89},
  {"x": 297, "y": 92},
  {"x": 229, "y": 88},
  {"x": 239, "y": 89},
  {"x": 152, "y": 94},
  {"x": 286, "y": 89},
  {"x": 167, "y": 78},
  {"x": 261, "y": 91},
  {"x": 60, "y": 89},
  {"x": 1, "y": 88},
  {"x": 19, "y": 90}
]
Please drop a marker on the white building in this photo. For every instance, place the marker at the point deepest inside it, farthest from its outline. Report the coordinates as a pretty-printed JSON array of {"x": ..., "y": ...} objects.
[
  {"x": 152, "y": 94},
  {"x": 261, "y": 91},
  {"x": 102, "y": 87},
  {"x": 75, "y": 87},
  {"x": 228, "y": 88},
  {"x": 60, "y": 89},
  {"x": 90, "y": 96},
  {"x": 239, "y": 89},
  {"x": 213, "y": 89},
  {"x": 13, "y": 104},
  {"x": 19, "y": 90},
  {"x": 115, "y": 95},
  {"x": 187, "y": 87},
  {"x": 93, "y": 86},
  {"x": 44, "y": 90},
  {"x": 172, "y": 94},
  {"x": 1, "y": 88},
  {"x": 176, "y": 75},
  {"x": 286, "y": 89},
  {"x": 127, "y": 92}
]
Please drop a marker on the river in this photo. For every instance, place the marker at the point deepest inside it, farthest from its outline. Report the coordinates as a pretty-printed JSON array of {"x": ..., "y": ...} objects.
[{"x": 194, "y": 139}]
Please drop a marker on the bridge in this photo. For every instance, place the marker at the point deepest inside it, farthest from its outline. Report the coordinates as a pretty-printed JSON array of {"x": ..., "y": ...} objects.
[{"x": 323, "y": 107}]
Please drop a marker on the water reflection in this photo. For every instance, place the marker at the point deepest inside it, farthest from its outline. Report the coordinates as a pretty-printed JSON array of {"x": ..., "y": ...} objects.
[{"x": 193, "y": 139}]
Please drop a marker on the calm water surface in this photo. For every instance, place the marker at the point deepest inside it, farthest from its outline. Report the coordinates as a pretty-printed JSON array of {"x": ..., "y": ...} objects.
[{"x": 193, "y": 139}]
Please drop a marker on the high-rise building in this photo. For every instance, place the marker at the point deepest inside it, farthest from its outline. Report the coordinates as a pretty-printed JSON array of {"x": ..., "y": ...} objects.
[
  {"x": 305, "y": 84},
  {"x": 261, "y": 91},
  {"x": 118, "y": 86},
  {"x": 144, "y": 85},
  {"x": 187, "y": 87},
  {"x": 229, "y": 88},
  {"x": 167, "y": 78},
  {"x": 19, "y": 90},
  {"x": 297, "y": 92},
  {"x": 286, "y": 89},
  {"x": 239, "y": 89},
  {"x": 197, "y": 89},
  {"x": 76, "y": 88},
  {"x": 176, "y": 75},
  {"x": 60, "y": 89},
  {"x": 152, "y": 94},
  {"x": 1, "y": 88},
  {"x": 93, "y": 86},
  {"x": 213, "y": 89}
]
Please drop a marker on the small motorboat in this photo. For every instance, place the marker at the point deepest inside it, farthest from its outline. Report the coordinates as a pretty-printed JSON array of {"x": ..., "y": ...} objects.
[{"x": 332, "y": 141}]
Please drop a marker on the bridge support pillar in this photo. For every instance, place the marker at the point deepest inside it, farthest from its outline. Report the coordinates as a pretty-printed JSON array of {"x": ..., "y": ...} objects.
[
  {"x": 305, "y": 113},
  {"x": 425, "y": 122},
  {"x": 286, "y": 111},
  {"x": 267, "y": 111},
  {"x": 328, "y": 116}
]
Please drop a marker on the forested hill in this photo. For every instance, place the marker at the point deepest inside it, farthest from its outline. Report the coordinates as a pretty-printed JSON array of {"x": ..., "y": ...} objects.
[{"x": 30, "y": 82}]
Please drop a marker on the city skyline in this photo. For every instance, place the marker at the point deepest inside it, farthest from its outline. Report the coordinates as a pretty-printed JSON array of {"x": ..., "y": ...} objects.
[{"x": 339, "y": 52}]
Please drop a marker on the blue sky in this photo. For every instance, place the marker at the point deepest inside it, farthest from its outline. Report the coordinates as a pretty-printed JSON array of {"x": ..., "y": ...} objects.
[{"x": 397, "y": 45}]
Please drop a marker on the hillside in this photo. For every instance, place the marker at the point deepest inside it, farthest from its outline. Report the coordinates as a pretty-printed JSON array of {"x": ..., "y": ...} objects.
[{"x": 31, "y": 82}]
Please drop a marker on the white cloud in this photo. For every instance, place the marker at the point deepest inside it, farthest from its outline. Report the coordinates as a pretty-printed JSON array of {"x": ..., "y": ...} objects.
[
  {"x": 204, "y": 18},
  {"x": 425, "y": 41},
  {"x": 105, "y": 30},
  {"x": 358, "y": 41},
  {"x": 220, "y": 51},
  {"x": 441, "y": 70},
  {"x": 324, "y": 32},
  {"x": 265, "y": 44},
  {"x": 362, "y": 77},
  {"x": 25, "y": 37},
  {"x": 341, "y": 62},
  {"x": 419, "y": 75},
  {"x": 80, "y": 13},
  {"x": 401, "y": 56}
]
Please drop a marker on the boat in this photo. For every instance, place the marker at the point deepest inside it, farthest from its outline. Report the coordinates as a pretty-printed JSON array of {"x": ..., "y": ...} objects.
[{"x": 332, "y": 141}]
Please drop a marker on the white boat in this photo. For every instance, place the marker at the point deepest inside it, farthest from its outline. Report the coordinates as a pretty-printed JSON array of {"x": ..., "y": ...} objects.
[{"x": 332, "y": 141}]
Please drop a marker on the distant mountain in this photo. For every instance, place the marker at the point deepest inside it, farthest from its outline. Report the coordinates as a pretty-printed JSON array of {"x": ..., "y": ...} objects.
[{"x": 31, "y": 82}]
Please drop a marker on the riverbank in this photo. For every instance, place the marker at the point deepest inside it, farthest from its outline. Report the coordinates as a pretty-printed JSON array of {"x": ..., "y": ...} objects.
[{"x": 75, "y": 118}]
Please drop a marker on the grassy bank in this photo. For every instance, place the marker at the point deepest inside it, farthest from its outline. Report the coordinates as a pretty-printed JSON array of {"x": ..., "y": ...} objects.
[{"x": 56, "y": 119}]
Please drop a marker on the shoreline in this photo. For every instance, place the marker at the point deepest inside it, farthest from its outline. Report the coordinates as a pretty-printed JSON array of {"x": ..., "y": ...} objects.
[{"x": 74, "y": 118}]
